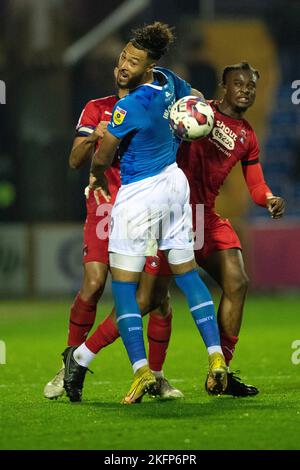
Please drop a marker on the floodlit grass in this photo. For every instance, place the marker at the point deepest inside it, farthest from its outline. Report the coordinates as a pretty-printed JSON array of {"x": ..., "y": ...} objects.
[{"x": 35, "y": 335}]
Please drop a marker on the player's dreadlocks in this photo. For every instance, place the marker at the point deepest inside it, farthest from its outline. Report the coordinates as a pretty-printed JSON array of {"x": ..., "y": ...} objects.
[
  {"x": 241, "y": 66},
  {"x": 154, "y": 38}
]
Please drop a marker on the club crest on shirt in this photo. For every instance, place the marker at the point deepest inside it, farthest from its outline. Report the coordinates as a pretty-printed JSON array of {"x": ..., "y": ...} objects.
[
  {"x": 119, "y": 115},
  {"x": 243, "y": 136}
]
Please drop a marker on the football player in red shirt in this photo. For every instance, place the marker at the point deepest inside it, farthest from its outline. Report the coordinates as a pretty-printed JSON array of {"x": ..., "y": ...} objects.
[
  {"x": 206, "y": 163},
  {"x": 89, "y": 131}
]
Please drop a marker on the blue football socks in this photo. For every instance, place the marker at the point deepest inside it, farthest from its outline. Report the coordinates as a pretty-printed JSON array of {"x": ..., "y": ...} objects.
[
  {"x": 201, "y": 307},
  {"x": 129, "y": 321}
]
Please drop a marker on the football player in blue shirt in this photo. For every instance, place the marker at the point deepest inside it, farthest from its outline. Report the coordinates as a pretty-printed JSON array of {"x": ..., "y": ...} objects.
[{"x": 151, "y": 210}]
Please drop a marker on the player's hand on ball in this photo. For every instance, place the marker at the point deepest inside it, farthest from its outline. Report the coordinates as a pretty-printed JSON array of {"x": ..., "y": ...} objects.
[
  {"x": 99, "y": 185},
  {"x": 276, "y": 206},
  {"x": 101, "y": 129}
]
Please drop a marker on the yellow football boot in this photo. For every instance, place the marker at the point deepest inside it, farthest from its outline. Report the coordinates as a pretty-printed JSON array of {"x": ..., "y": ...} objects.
[
  {"x": 143, "y": 380},
  {"x": 216, "y": 381}
]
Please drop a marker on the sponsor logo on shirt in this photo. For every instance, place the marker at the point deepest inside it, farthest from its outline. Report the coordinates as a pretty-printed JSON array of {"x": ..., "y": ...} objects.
[
  {"x": 119, "y": 115},
  {"x": 224, "y": 135}
]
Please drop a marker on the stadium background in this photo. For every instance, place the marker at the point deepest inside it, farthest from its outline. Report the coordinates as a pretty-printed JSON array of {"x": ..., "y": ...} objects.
[
  {"x": 49, "y": 76},
  {"x": 41, "y": 199}
]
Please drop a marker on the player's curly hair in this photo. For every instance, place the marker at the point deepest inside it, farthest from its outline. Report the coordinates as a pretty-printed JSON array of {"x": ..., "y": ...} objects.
[
  {"x": 241, "y": 66},
  {"x": 154, "y": 38}
]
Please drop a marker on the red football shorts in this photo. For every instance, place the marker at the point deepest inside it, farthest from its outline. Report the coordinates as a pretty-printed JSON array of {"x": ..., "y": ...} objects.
[
  {"x": 218, "y": 235},
  {"x": 95, "y": 248}
]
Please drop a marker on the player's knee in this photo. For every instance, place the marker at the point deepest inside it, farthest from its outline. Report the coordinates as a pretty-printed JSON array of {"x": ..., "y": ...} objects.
[
  {"x": 144, "y": 301},
  {"x": 245, "y": 282},
  {"x": 158, "y": 299},
  {"x": 161, "y": 297},
  {"x": 161, "y": 303},
  {"x": 237, "y": 286},
  {"x": 95, "y": 282}
]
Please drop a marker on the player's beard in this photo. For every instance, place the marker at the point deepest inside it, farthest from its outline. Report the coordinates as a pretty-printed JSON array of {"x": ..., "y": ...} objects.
[
  {"x": 132, "y": 82},
  {"x": 240, "y": 109}
]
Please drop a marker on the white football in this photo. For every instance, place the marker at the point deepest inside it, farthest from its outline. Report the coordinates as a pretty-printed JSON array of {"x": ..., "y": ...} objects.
[{"x": 191, "y": 118}]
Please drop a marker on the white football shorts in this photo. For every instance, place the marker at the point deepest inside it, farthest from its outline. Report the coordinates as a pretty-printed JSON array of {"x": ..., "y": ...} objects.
[{"x": 152, "y": 213}]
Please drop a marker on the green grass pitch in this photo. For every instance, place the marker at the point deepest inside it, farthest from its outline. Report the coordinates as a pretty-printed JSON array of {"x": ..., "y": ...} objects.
[{"x": 35, "y": 334}]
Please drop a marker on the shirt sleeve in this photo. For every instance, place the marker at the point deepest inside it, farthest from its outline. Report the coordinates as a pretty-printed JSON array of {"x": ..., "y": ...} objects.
[
  {"x": 88, "y": 121},
  {"x": 253, "y": 174},
  {"x": 182, "y": 88},
  {"x": 126, "y": 117}
]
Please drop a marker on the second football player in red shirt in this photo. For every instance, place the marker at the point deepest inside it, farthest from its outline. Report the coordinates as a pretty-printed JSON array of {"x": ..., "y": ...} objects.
[{"x": 206, "y": 163}]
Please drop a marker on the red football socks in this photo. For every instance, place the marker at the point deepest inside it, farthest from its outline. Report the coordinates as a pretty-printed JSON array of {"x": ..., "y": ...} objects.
[
  {"x": 228, "y": 346},
  {"x": 106, "y": 333},
  {"x": 82, "y": 319},
  {"x": 159, "y": 332}
]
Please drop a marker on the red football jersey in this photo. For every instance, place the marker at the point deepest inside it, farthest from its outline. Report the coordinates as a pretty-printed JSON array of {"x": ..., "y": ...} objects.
[
  {"x": 94, "y": 112},
  {"x": 208, "y": 161}
]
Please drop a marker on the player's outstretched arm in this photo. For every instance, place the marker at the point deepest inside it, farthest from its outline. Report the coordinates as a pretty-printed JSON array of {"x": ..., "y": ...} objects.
[
  {"x": 259, "y": 191},
  {"x": 84, "y": 147}
]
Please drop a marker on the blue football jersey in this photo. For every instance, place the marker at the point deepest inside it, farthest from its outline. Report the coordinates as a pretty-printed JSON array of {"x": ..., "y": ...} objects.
[{"x": 141, "y": 120}]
